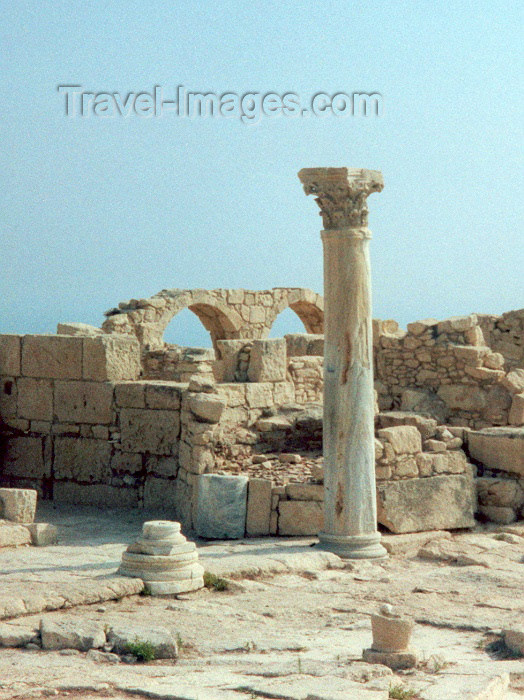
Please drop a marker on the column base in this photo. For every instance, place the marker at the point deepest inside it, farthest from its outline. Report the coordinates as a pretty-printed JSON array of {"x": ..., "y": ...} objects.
[{"x": 353, "y": 546}]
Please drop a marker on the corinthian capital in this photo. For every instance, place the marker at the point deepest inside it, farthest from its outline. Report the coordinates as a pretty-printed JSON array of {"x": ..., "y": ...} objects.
[{"x": 341, "y": 194}]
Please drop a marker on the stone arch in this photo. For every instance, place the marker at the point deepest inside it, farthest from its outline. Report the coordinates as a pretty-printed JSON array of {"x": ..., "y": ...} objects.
[
  {"x": 307, "y": 305},
  {"x": 218, "y": 319}
]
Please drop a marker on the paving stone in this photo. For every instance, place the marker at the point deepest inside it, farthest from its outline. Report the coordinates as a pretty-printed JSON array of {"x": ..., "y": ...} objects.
[
  {"x": 79, "y": 635},
  {"x": 164, "y": 643}
]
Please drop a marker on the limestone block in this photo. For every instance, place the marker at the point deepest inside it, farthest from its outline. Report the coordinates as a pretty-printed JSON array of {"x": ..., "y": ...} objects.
[
  {"x": 283, "y": 392},
  {"x": 233, "y": 394},
  {"x": 457, "y": 324},
  {"x": 426, "y": 426},
  {"x": 222, "y": 505},
  {"x": 513, "y": 381},
  {"x": 259, "y": 395},
  {"x": 498, "y": 514},
  {"x": 159, "y": 493},
  {"x": 131, "y": 394},
  {"x": 463, "y": 397},
  {"x": 15, "y": 635},
  {"x": 126, "y": 462},
  {"x": 267, "y": 362},
  {"x": 258, "y": 507},
  {"x": 405, "y": 466},
  {"x": 301, "y": 344},
  {"x": 24, "y": 457},
  {"x": 494, "y": 360},
  {"x": 206, "y": 407},
  {"x": 228, "y": 353},
  {"x": 514, "y": 638},
  {"x": 52, "y": 356},
  {"x": 419, "y": 327},
  {"x": 435, "y": 446},
  {"x": 35, "y": 399},
  {"x": 18, "y": 505},
  {"x": 426, "y": 402},
  {"x": 305, "y": 492},
  {"x": 404, "y": 439},
  {"x": 71, "y": 635},
  {"x": 84, "y": 402},
  {"x": 164, "y": 395},
  {"x": 150, "y": 431},
  {"x": 43, "y": 534},
  {"x": 516, "y": 413},
  {"x": 300, "y": 518},
  {"x": 94, "y": 494},
  {"x": 78, "y": 329},
  {"x": 498, "y": 492},
  {"x": 452, "y": 462},
  {"x": 8, "y": 397},
  {"x": 161, "y": 466},
  {"x": 111, "y": 358},
  {"x": 160, "y": 638},
  {"x": 432, "y": 503},
  {"x": 395, "y": 660},
  {"x": 498, "y": 448},
  {"x": 10, "y": 345},
  {"x": 82, "y": 459},
  {"x": 13, "y": 534}
]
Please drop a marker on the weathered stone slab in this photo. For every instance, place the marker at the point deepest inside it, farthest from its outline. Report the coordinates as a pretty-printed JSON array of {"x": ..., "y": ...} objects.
[
  {"x": 79, "y": 635},
  {"x": 52, "y": 356},
  {"x": 82, "y": 459},
  {"x": 305, "y": 492},
  {"x": 300, "y": 518},
  {"x": 18, "y": 505},
  {"x": 84, "y": 402},
  {"x": 267, "y": 362},
  {"x": 499, "y": 448},
  {"x": 24, "y": 457},
  {"x": 16, "y": 635},
  {"x": 78, "y": 329},
  {"x": 433, "y": 503},
  {"x": 162, "y": 640},
  {"x": 35, "y": 399},
  {"x": 12, "y": 534},
  {"x": 111, "y": 358},
  {"x": 258, "y": 507},
  {"x": 426, "y": 426},
  {"x": 10, "y": 345},
  {"x": 222, "y": 505},
  {"x": 150, "y": 431},
  {"x": 301, "y": 344}
]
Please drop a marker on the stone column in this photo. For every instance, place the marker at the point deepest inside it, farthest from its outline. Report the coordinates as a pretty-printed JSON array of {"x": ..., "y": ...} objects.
[{"x": 350, "y": 511}]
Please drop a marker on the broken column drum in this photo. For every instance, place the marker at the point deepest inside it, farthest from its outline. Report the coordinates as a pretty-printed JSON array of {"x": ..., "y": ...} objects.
[{"x": 350, "y": 529}]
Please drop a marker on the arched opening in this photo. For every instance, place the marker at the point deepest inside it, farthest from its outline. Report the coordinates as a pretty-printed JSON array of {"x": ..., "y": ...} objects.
[
  {"x": 286, "y": 322},
  {"x": 187, "y": 329}
]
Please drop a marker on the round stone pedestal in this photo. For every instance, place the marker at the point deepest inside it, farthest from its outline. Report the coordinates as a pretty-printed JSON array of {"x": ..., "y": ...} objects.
[
  {"x": 163, "y": 559},
  {"x": 353, "y": 547}
]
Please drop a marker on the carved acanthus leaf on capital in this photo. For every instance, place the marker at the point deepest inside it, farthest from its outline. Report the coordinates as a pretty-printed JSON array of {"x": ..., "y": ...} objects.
[{"x": 341, "y": 194}]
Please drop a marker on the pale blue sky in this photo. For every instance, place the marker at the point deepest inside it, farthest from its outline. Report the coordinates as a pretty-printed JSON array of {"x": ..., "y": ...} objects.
[{"x": 96, "y": 211}]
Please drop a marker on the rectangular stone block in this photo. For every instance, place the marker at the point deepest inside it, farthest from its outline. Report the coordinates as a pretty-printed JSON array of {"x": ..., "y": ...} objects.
[
  {"x": 268, "y": 361},
  {"x": 10, "y": 345},
  {"x": 300, "y": 518},
  {"x": 162, "y": 466},
  {"x": 222, "y": 506},
  {"x": 404, "y": 439},
  {"x": 24, "y": 458},
  {"x": 82, "y": 459},
  {"x": 305, "y": 492},
  {"x": 302, "y": 344},
  {"x": 258, "y": 507},
  {"x": 94, "y": 494},
  {"x": 52, "y": 356},
  {"x": 126, "y": 462},
  {"x": 35, "y": 399},
  {"x": 499, "y": 448},
  {"x": 130, "y": 394},
  {"x": 259, "y": 395},
  {"x": 433, "y": 503},
  {"x": 111, "y": 358},
  {"x": 8, "y": 397},
  {"x": 18, "y": 505},
  {"x": 84, "y": 402},
  {"x": 157, "y": 431},
  {"x": 164, "y": 395}
]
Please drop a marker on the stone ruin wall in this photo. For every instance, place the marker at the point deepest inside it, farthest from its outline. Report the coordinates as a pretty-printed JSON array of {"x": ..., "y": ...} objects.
[{"x": 84, "y": 421}]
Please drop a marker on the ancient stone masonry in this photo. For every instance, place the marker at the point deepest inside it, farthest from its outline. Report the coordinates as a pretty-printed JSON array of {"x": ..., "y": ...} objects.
[
  {"x": 226, "y": 313},
  {"x": 88, "y": 417}
]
